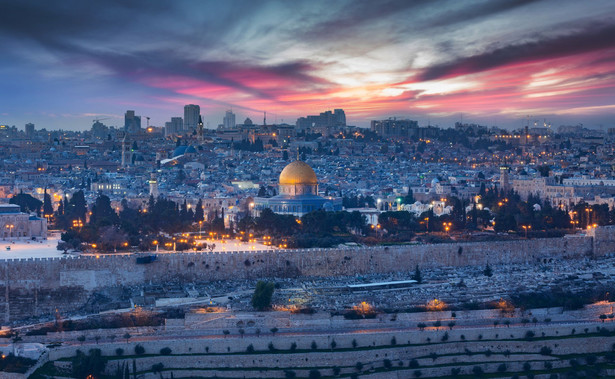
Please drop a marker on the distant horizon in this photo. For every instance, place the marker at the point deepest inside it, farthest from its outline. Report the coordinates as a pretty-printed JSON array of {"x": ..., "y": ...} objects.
[{"x": 495, "y": 61}]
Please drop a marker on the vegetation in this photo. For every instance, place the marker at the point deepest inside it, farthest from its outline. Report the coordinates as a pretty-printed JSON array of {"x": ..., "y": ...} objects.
[
  {"x": 261, "y": 299},
  {"x": 84, "y": 365}
]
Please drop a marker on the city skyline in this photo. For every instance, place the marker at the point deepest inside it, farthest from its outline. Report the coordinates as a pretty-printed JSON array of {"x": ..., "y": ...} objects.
[{"x": 494, "y": 62}]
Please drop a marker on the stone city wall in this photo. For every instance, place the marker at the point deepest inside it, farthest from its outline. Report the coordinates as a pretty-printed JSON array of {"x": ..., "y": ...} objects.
[{"x": 40, "y": 285}]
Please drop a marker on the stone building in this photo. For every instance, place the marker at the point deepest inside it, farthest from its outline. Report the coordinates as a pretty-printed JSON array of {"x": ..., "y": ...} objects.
[
  {"x": 298, "y": 193},
  {"x": 16, "y": 224}
]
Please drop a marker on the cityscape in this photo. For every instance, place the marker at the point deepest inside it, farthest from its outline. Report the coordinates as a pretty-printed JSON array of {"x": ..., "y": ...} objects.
[{"x": 355, "y": 189}]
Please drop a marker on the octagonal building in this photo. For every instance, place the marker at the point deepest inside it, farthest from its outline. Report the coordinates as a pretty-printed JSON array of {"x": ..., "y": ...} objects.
[{"x": 297, "y": 193}]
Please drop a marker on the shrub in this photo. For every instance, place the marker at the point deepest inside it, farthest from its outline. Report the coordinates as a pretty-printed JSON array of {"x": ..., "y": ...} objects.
[
  {"x": 314, "y": 346},
  {"x": 445, "y": 337},
  {"x": 433, "y": 356},
  {"x": 421, "y": 325},
  {"x": 451, "y": 325},
  {"x": 290, "y": 374},
  {"x": 158, "y": 367},
  {"x": 250, "y": 348},
  {"x": 358, "y": 366},
  {"x": 119, "y": 351},
  {"x": 139, "y": 350},
  {"x": 437, "y": 323},
  {"x": 314, "y": 374},
  {"x": 548, "y": 365},
  {"x": 529, "y": 335},
  {"x": 393, "y": 341},
  {"x": 413, "y": 363},
  {"x": 455, "y": 371},
  {"x": 354, "y": 343},
  {"x": 502, "y": 367},
  {"x": 271, "y": 347},
  {"x": 418, "y": 374},
  {"x": 527, "y": 366},
  {"x": 477, "y": 370},
  {"x": 293, "y": 346},
  {"x": 336, "y": 371},
  {"x": 165, "y": 351},
  {"x": 387, "y": 364},
  {"x": 545, "y": 350},
  {"x": 333, "y": 344},
  {"x": 590, "y": 359}
]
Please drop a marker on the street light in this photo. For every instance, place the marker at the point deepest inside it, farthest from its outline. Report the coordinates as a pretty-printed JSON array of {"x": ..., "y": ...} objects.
[
  {"x": 10, "y": 228},
  {"x": 447, "y": 226},
  {"x": 526, "y": 227}
]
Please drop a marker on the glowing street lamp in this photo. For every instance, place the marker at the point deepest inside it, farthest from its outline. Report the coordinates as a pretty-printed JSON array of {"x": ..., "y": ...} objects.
[
  {"x": 447, "y": 226},
  {"x": 526, "y": 227}
]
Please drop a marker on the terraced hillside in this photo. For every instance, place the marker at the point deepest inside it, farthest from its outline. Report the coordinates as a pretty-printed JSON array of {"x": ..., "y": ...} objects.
[{"x": 539, "y": 349}]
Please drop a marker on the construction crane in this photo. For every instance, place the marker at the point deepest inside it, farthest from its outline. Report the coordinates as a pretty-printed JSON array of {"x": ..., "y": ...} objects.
[
  {"x": 100, "y": 119},
  {"x": 147, "y": 121}
]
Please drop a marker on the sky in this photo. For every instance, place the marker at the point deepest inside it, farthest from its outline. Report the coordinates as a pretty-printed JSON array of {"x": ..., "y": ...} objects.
[{"x": 492, "y": 62}]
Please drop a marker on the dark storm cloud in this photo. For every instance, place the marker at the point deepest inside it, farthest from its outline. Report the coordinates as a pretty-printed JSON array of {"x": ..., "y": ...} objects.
[
  {"x": 591, "y": 38},
  {"x": 411, "y": 16},
  {"x": 474, "y": 11},
  {"x": 79, "y": 32}
]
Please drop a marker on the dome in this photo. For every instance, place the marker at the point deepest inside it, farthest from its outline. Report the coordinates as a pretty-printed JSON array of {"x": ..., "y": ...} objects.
[
  {"x": 179, "y": 150},
  {"x": 298, "y": 173}
]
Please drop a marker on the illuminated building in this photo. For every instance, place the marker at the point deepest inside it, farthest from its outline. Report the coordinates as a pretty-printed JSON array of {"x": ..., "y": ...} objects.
[{"x": 298, "y": 193}]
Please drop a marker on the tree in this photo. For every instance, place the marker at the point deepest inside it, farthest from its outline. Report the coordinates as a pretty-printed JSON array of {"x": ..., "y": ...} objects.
[
  {"x": 27, "y": 203},
  {"x": 158, "y": 367},
  {"x": 126, "y": 336},
  {"x": 488, "y": 271},
  {"x": 199, "y": 214},
  {"x": 139, "y": 350},
  {"x": 102, "y": 213},
  {"x": 417, "y": 275},
  {"x": 261, "y": 299},
  {"x": 92, "y": 364},
  {"x": 47, "y": 205}
]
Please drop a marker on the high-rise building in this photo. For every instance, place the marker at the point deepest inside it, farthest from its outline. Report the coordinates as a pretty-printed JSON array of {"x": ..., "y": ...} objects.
[
  {"x": 191, "y": 117},
  {"x": 29, "y": 129},
  {"x": 393, "y": 127},
  {"x": 132, "y": 123},
  {"x": 324, "y": 122},
  {"x": 229, "y": 120},
  {"x": 175, "y": 126},
  {"x": 340, "y": 117}
]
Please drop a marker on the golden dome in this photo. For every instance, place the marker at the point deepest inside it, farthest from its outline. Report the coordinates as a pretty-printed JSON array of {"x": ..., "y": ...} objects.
[{"x": 298, "y": 173}]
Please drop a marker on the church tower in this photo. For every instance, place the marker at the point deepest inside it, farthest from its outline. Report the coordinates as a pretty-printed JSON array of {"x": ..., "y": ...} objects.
[{"x": 200, "y": 129}]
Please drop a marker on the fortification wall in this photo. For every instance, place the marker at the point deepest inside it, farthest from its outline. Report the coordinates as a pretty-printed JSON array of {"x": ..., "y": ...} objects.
[{"x": 38, "y": 286}]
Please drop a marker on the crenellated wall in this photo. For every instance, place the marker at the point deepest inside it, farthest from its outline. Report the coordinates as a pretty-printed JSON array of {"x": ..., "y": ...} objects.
[{"x": 37, "y": 286}]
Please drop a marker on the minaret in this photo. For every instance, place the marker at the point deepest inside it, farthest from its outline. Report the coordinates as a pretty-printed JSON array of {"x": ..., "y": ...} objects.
[
  {"x": 153, "y": 185},
  {"x": 265, "y": 119},
  {"x": 124, "y": 150},
  {"x": 504, "y": 182}
]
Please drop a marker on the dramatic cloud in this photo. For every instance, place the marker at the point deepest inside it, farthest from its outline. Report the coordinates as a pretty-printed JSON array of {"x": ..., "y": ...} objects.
[{"x": 495, "y": 61}]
